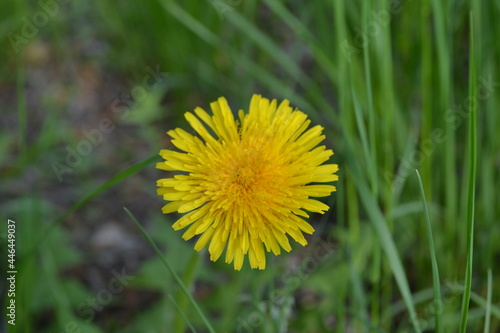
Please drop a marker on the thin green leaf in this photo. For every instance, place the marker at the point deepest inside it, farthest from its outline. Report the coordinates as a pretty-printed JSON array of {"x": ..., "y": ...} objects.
[
  {"x": 113, "y": 181},
  {"x": 488, "y": 303},
  {"x": 187, "y": 277},
  {"x": 181, "y": 312},
  {"x": 438, "y": 304},
  {"x": 385, "y": 238},
  {"x": 472, "y": 143},
  {"x": 169, "y": 268}
]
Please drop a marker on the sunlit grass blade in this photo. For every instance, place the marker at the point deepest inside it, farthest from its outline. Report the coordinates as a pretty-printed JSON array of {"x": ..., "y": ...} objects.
[
  {"x": 471, "y": 159},
  {"x": 487, "y": 316},
  {"x": 438, "y": 304},
  {"x": 169, "y": 268}
]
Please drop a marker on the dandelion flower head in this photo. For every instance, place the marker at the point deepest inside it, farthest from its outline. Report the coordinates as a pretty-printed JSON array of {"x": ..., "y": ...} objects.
[{"x": 246, "y": 185}]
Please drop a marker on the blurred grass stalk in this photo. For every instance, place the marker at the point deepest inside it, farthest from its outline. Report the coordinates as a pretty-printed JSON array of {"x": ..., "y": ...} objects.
[
  {"x": 438, "y": 304},
  {"x": 180, "y": 282},
  {"x": 471, "y": 176},
  {"x": 444, "y": 63}
]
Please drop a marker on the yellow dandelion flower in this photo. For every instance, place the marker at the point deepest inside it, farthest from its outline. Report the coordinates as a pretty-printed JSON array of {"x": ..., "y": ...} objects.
[{"x": 247, "y": 184}]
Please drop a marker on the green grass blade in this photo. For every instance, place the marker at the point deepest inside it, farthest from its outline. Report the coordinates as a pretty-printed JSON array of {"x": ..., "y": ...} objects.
[
  {"x": 280, "y": 56},
  {"x": 169, "y": 268},
  {"x": 384, "y": 236},
  {"x": 304, "y": 33},
  {"x": 472, "y": 143},
  {"x": 357, "y": 289},
  {"x": 445, "y": 82},
  {"x": 427, "y": 110},
  {"x": 113, "y": 181},
  {"x": 488, "y": 303},
  {"x": 361, "y": 127},
  {"x": 190, "y": 22},
  {"x": 477, "y": 299},
  {"x": 250, "y": 29},
  {"x": 181, "y": 312},
  {"x": 181, "y": 303},
  {"x": 438, "y": 304},
  {"x": 267, "y": 44},
  {"x": 260, "y": 39},
  {"x": 369, "y": 95}
]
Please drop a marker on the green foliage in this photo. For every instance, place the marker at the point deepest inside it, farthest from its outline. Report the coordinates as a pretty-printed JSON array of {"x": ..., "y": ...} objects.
[{"x": 398, "y": 86}]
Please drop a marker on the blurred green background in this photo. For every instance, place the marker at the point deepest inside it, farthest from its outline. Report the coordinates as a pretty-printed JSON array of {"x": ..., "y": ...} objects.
[{"x": 88, "y": 90}]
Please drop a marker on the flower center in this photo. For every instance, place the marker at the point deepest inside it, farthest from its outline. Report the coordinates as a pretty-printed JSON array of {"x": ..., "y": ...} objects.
[{"x": 244, "y": 177}]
